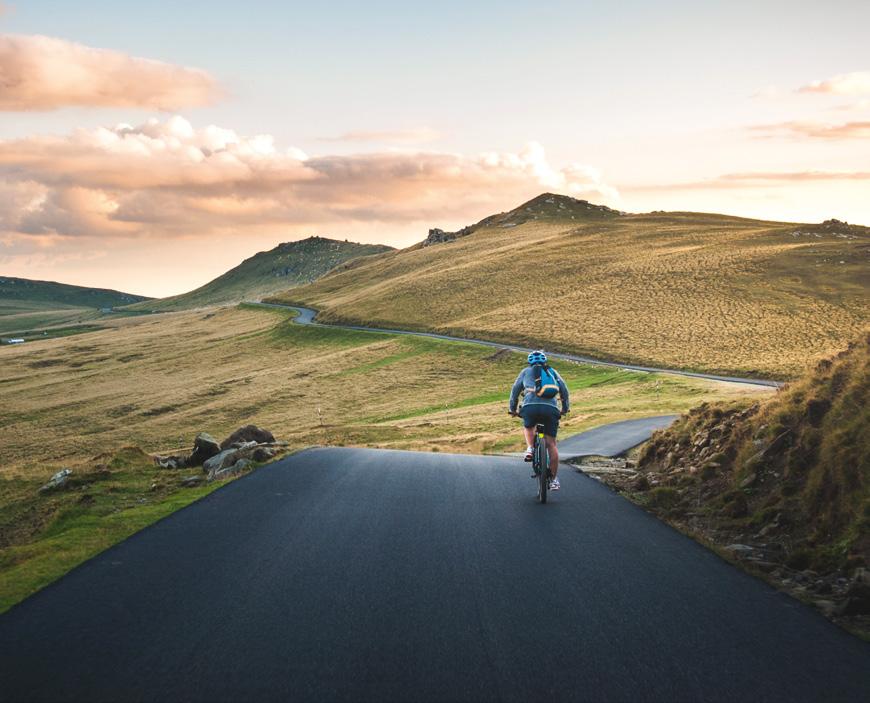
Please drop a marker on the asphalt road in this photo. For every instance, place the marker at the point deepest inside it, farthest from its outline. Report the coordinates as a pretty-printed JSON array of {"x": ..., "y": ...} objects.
[
  {"x": 306, "y": 317},
  {"x": 349, "y": 574},
  {"x": 613, "y": 439}
]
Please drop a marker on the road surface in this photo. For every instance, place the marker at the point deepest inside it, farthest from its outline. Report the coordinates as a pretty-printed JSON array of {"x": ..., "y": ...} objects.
[
  {"x": 352, "y": 574},
  {"x": 306, "y": 317},
  {"x": 613, "y": 439}
]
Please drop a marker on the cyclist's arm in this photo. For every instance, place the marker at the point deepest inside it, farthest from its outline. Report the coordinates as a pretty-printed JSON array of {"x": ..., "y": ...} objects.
[
  {"x": 563, "y": 392},
  {"x": 515, "y": 393}
]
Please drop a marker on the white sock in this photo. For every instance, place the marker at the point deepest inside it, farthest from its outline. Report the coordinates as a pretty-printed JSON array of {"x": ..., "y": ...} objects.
[{"x": 529, "y": 449}]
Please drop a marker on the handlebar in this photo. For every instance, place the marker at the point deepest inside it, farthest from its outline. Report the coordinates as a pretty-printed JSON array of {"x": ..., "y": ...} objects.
[{"x": 562, "y": 413}]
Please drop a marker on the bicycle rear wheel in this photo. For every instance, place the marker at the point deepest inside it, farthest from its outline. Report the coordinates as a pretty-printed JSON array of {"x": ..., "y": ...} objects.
[{"x": 542, "y": 469}]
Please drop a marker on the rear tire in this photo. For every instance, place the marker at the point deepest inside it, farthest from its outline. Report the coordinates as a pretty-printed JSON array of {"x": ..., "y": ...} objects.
[{"x": 543, "y": 472}]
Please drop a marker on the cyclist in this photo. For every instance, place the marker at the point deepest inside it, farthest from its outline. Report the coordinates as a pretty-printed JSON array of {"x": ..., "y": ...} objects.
[{"x": 539, "y": 410}]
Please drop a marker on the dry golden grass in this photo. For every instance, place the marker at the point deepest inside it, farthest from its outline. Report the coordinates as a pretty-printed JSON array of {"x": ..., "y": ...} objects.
[
  {"x": 155, "y": 381},
  {"x": 704, "y": 292}
]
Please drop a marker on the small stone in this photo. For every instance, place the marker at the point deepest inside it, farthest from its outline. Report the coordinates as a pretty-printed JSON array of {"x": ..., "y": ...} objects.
[
  {"x": 220, "y": 461},
  {"x": 828, "y": 607},
  {"x": 766, "y": 530},
  {"x": 749, "y": 480},
  {"x": 58, "y": 481},
  {"x": 857, "y": 600},
  {"x": 191, "y": 481},
  {"x": 862, "y": 575},
  {"x": 262, "y": 454},
  {"x": 739, "y": 548},
  {"x": 233, "y": 470}
]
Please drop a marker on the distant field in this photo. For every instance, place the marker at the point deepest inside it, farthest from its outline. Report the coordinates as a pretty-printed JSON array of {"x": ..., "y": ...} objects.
[
  {"x": 703, "y": 292},
  {"x": 14, "y": 324},
  {"x": 155, "y": 381},
  {"x": 27, "y": 305}
]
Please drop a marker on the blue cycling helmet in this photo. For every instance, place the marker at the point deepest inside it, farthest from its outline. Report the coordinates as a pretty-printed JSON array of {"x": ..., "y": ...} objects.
[{"x": 537, "y": 357}]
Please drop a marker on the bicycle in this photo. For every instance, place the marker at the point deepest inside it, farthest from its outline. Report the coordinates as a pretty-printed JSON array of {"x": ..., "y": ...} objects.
[{"x": 540, "y": 462}]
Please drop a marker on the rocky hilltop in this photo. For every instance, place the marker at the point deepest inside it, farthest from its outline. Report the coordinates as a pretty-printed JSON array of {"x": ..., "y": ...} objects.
[
  {"x": 547, "y": 206},
  {"x": 287, "y": 265}
]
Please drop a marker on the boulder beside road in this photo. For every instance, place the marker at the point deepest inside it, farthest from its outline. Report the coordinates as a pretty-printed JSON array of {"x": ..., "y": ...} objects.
[
  {"x": 248, "y": 433},
  {"x": 204, "y": 448},
  {"x": 57, "y": 482},
  {"x": 220, "y": 460}
]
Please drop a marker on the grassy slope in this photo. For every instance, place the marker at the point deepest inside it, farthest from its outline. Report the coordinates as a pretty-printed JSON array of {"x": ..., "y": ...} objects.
[
  {"x": 155, "y": 381},
  {"x": 27, "y": 305},
  {"x": 789, "y": 477},
  {"x": 267, "y": 272},
  {"x": 799, "y": 461},
  {"x": 28, "y": 292},
  {"x": 705, "y": 292}
]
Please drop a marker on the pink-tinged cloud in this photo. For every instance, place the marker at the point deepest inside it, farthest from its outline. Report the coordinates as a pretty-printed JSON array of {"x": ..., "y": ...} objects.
[
  {"x": 855, "y": 83},
  {"x": 752, "y": 179},
  {"x": 165, "y": 178},
  {"x": 45, "y": 73},
  {"x": 415, "y": 135},
  {"x": 814, "y": 130}
]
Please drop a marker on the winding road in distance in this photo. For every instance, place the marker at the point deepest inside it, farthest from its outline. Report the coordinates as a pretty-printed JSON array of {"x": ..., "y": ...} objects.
[
  {"x": 343, "y": 574},
  {"x": 306, "y": 316}
]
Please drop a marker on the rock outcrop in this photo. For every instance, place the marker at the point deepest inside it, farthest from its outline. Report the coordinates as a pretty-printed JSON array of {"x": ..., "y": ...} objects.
[
  {"x": 204, "y": 448},
  {"x": 237, "y": 452},
  {"x": 546, "y": 206},
  {"x": 248, "y": 433}
]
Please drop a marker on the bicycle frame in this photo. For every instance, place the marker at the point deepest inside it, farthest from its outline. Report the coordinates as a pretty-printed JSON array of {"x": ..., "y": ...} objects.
[{"x": 541, "y": 463}]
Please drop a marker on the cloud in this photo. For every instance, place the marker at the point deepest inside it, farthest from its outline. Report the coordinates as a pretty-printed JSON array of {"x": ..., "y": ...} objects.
[
  {"x": 815, "y": 130},
  {"x": 417, "y": 135},
  {"x": 752, "y": 179},
  {"x": 855, "y": 83},
  {"x": 166, "y": 178},
  {"x": 857, "y": 106},
  {"x": 45, "y": 73}
]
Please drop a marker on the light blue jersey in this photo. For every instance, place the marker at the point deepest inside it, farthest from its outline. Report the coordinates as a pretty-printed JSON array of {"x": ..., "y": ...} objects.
[{"x": 526, "y": 382}]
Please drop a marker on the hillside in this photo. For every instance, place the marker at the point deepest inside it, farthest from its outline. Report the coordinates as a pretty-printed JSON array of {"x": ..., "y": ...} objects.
[
  {"x": 287, "y": 265},
  {"x": 25, "y": 293},
  {"x": 783, "y": 484},
  {"x": 27, "y": 304},
  {"x": 690, "y": 290}
]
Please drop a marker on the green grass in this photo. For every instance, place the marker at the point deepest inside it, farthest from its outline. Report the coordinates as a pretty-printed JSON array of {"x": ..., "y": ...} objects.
[{"x": 52, "y": 534}]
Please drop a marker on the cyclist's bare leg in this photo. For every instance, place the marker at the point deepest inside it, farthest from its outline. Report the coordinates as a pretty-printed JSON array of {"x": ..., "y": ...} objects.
[
  {"x": 553, "y": 451},
  {"x": 529, "y": 434}
]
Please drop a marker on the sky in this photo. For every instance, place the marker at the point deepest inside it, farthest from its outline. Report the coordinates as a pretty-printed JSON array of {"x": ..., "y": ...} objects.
[{"x": 149, "y": 147}]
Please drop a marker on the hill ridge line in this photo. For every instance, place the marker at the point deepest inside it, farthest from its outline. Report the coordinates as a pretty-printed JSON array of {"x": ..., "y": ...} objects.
[{"x": 306, "y": 317}]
